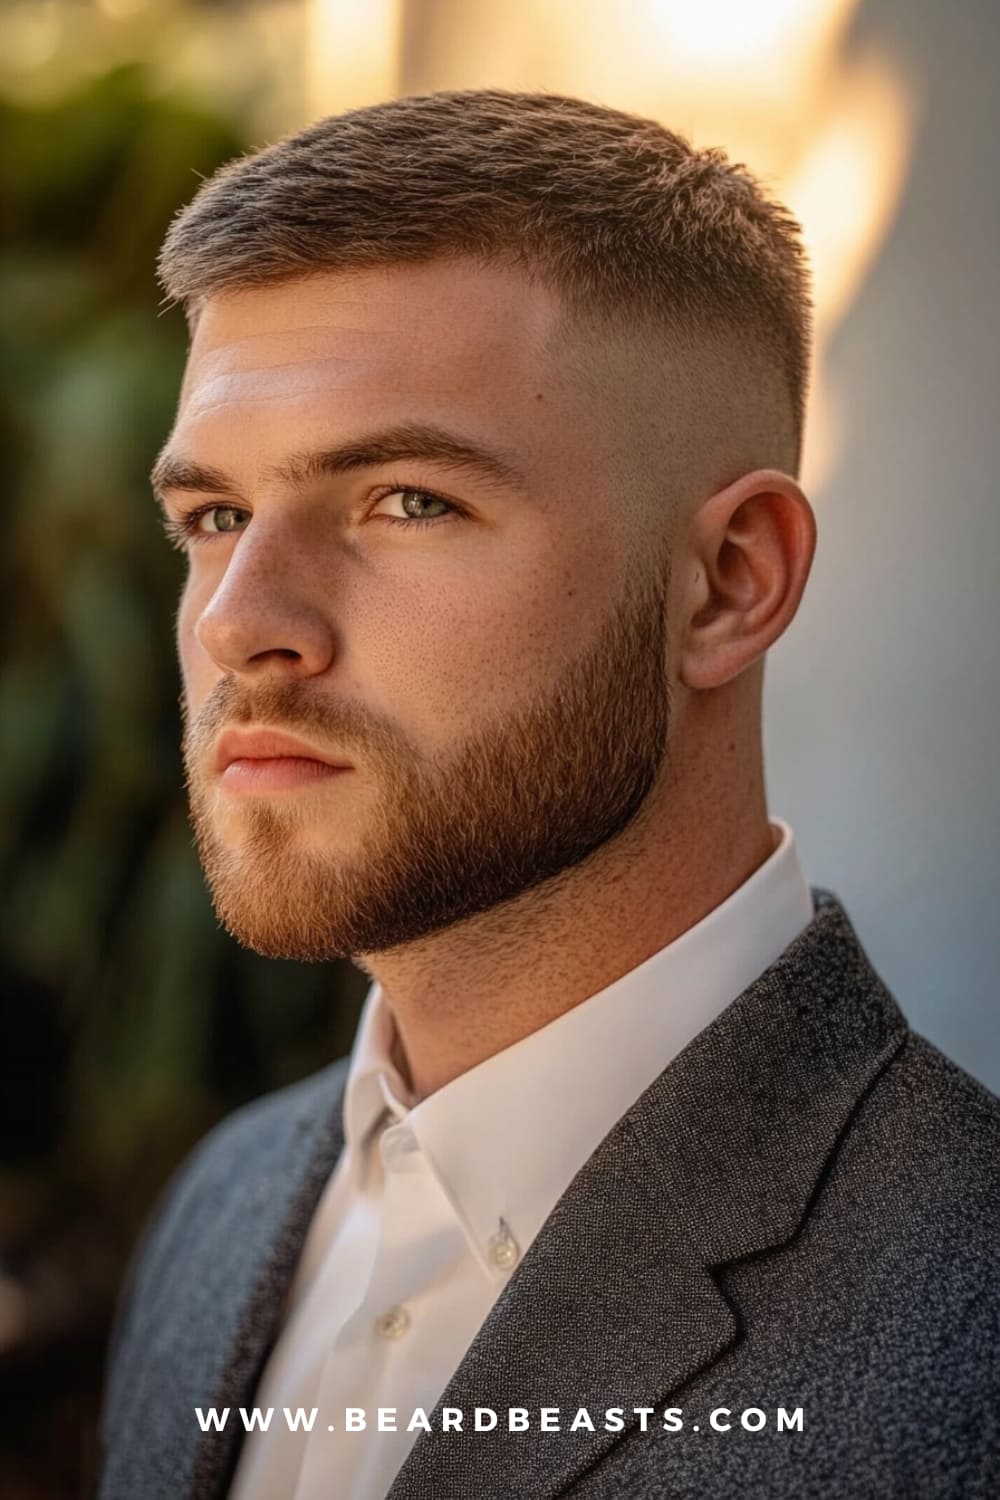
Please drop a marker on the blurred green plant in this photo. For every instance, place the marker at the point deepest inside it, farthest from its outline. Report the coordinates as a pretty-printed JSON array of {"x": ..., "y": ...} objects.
[{"x": 130, "y": 1021}]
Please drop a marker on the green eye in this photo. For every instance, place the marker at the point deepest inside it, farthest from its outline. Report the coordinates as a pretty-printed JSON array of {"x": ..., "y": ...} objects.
[
  {"x": 404, "y": 505},
  {"x": 415, "y": 503},
  {"x": 224, "y": 518}
]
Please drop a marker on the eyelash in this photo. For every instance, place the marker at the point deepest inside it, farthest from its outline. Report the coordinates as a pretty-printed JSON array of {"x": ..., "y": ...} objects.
[{"x": 182, "y": 531}]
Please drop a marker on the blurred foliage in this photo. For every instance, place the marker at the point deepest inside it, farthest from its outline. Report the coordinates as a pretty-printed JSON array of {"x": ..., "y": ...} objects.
[{"x": 130, "y": 1021}]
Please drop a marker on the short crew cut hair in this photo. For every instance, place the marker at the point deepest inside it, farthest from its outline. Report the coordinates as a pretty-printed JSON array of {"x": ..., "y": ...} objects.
[{"x": 620, "y": 216}]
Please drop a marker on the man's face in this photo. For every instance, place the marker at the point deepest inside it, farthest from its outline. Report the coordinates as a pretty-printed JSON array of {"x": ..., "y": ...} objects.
[{"x": 482, "y": 646}]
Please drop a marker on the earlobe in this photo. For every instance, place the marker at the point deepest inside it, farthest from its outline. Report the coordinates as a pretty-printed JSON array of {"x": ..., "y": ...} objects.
[{"x": 752, "y": 546}]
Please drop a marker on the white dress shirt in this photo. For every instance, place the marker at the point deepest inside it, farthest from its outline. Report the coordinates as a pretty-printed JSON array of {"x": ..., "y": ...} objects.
[{"x": 432, "y": 1204}]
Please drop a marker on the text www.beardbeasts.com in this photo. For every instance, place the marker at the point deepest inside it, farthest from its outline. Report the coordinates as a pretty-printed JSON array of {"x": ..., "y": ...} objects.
[{"x": 516, "y": 1419}]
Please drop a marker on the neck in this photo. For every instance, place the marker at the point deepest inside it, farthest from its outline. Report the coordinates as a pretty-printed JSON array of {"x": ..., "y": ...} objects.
[{"x": 467, "y": 992}]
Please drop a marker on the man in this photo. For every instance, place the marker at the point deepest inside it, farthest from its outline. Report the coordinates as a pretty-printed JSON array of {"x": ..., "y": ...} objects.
[{"x": 636, "y": 1181}]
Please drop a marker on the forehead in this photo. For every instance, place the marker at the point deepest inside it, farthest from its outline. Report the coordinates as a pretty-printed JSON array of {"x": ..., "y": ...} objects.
[{"x": 429, "y": 341}]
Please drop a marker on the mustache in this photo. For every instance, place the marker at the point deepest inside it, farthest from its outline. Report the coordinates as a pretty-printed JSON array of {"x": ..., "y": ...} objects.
[{"x": 290, "y": 705}]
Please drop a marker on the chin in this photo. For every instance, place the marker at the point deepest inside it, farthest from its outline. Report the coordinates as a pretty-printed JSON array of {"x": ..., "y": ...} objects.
[{"x": 275, "y": 928}]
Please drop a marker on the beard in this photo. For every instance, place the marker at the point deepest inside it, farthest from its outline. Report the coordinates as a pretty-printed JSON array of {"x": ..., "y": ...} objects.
[{"x": 527, "y": 796}]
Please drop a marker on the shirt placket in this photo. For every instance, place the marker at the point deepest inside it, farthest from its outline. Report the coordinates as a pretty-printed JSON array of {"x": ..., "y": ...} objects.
[{"x": 372, "y": 1358}]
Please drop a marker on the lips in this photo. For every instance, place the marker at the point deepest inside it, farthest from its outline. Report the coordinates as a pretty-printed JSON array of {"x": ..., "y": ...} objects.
[{"x": 247, "y": 745}]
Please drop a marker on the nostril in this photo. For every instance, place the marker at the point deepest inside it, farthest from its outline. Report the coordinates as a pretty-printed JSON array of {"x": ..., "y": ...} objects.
[{"x": 288, "y": 652}]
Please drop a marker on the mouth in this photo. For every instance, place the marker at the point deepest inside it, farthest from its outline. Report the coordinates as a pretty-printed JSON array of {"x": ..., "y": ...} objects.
[{"x": 266, "y": 760}]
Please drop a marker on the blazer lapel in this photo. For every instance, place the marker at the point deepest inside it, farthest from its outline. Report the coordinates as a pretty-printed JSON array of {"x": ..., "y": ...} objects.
[
  {"x": 243, "y": 1293},
  {"x": 614, "y": 1302}
]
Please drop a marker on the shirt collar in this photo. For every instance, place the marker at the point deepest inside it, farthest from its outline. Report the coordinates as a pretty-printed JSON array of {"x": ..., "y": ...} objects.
[
  {"x": 375, "y": 1085},
  {"x": 506, "y": 1137}
]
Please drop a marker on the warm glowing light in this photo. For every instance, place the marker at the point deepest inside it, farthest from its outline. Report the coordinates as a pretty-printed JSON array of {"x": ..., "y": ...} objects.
[
  {"x": 30, "y": 34},
  {"x": 352, "y": 53},
  {"x": 848, "y": 181},
  {"x": 771, "y": 81},
  {"x": 724, "y": 34},
  {"x": 121, "y": 10}
]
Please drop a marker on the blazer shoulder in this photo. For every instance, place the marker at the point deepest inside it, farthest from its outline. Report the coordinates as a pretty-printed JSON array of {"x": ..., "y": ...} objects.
[
  {"x": 936, "y": 1087},
  {"x": 928, "y": 1139}
]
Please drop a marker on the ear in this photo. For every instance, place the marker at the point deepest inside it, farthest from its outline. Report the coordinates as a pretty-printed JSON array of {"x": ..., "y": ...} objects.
[{"x": 748, "y": 554}]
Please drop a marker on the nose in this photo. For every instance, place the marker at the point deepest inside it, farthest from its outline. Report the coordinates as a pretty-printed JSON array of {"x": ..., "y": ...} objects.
[{"x": 263, "y": 615}]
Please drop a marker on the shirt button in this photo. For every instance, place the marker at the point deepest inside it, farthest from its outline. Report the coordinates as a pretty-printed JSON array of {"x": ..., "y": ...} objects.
[
  {"x": 503, "y": 1248},
  {"x": 398, "y": 1143},
  {"x": 392, "y": 1324}
]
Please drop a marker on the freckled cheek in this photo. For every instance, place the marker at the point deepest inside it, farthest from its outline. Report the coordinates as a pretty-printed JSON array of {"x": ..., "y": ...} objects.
[{"x": 444, "y": 658}]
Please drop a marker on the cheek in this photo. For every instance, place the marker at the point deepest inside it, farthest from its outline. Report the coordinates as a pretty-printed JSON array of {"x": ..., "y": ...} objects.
[{"x": 437, "y": 655}]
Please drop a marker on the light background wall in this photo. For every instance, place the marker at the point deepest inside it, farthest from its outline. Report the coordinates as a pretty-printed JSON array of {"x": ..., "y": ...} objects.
[{"x": 883, "y": 700}]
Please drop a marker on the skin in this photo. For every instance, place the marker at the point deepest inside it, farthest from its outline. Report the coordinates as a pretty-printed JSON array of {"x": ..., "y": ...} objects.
[{"x": 668, "y": 464}]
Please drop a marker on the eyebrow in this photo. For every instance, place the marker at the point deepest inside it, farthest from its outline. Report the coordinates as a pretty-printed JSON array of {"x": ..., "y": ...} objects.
[{"x": 407, "y": 440}]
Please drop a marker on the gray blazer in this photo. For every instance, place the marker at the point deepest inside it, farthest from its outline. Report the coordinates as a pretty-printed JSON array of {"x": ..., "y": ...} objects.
[{"x": 801, "y": 1211}]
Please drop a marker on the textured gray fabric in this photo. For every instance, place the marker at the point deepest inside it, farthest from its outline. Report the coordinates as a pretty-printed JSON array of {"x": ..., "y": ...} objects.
[{"x": 801, "y": 1211}]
